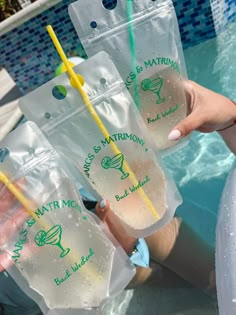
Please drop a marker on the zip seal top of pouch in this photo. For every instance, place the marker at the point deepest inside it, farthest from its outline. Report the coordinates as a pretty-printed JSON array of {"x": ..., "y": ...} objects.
[{"x": 143, "y": 39}]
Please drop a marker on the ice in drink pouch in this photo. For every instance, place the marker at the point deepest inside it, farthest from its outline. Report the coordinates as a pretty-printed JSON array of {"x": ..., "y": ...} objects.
[
  {"x": 61, "y": 256},
  {"x": 115, "y": 153},
  {"x": 143, "y": 39}
]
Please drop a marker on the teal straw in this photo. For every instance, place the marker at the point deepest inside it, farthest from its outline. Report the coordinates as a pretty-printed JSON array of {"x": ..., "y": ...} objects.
[{"x": 133, "y": 51}]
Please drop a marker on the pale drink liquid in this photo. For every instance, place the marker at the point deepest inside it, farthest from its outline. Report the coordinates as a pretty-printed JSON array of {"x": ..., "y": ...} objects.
[
  {"x": 71, "y": 263},
  {"x": 163, "y": 104},
  {"x": 124, "y": 194}
]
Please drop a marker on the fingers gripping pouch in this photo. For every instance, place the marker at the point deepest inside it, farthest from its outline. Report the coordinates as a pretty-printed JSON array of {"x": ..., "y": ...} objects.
[
  {"x": 61, "y": 256},
  {"x": 144, "y": 41},
  {"x": 114, "y": 153}
]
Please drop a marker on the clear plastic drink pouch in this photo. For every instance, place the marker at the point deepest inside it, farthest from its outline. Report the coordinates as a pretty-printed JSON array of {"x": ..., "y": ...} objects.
[
  {"x": 120, "y": 163},
  {"x": 61, "y": 255},
  {"x": 144, "y": 41}
]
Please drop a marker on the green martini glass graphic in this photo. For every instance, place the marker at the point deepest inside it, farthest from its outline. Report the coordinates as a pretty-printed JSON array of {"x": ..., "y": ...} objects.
[
  {"x": 115, "y": 162},
  {"x": 51, "y": 237},
  {"x": 154, "y": 86}
]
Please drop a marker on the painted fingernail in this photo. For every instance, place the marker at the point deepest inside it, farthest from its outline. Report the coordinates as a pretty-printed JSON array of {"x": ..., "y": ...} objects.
[
  {"x": 103, "y": 203},
  {"x": 174, "y": 135},
  {"x": 5, "y": 274}
]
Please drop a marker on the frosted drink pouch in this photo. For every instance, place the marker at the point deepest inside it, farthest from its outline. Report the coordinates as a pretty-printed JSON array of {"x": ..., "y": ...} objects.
[
  {"x": 143, "y": 39},
  {"x": 60, "y": 255},
  {"x": 109, "y": 143}
]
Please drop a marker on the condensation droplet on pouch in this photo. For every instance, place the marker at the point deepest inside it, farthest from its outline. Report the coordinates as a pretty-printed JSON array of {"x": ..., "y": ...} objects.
[
  {"x": 77, "y": 224},
  {"x": 69, "y": 216},
  {"x": 170, "y": 97},
  {"x": 168, "y": 81},
  {"x": 234, "y": 300},
  {"x": 231, "y": 234}
]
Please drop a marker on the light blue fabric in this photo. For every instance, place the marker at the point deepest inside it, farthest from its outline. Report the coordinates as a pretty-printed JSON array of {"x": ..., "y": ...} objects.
[
  {"x": 86, "y": 195},
  {"x": 141, "y": 255}
]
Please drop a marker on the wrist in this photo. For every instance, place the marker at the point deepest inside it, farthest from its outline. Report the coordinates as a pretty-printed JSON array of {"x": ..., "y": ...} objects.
[
  {"x": 129, "y": 245},
  {"x": 229, "y": 137},
  {"x": 233, "y": 121},
  {"x": 228, "y": 130}
]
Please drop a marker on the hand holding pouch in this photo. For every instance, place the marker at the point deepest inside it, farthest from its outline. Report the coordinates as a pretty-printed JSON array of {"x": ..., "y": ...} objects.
[{"x": 143, "y": 39}]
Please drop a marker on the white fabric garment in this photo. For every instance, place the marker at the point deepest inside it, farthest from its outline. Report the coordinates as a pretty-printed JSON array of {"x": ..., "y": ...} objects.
[{"x": 10, "y": 113}]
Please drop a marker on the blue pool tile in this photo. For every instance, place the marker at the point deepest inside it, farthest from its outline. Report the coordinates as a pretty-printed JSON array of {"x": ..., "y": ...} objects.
[{"x": 34, "y": 52}]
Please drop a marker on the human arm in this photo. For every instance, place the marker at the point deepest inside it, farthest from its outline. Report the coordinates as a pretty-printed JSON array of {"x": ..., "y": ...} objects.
[
  {"x": 105, "y": 214},
  {"x": 229, "y": 137},
  {"x": 176, "y": 247}
]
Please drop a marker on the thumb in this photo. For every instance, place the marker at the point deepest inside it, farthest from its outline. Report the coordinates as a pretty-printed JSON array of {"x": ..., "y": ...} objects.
[
  {"x": 102, "y": 208},
  {"x": 185, "y": 127}
]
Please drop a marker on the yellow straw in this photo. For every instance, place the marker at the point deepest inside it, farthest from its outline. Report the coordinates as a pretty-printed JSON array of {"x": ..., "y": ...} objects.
[
  {"x": 18, "y": 195},
  {"x": 96, "y": 118},
  {"x": 27, "y": 207}
]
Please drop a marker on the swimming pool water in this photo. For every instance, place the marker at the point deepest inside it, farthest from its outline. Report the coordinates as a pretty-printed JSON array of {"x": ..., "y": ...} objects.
[{"x": 199, "y": 170}]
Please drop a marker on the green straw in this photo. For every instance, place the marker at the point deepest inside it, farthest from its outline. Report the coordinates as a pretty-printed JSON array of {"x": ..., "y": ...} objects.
[{"x": 133, "y": 50}]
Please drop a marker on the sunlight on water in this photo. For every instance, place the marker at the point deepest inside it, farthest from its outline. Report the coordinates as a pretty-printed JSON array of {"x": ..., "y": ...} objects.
[
  {"x": 204, "y": 158},
  {"x": 121, "y": 304}
]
